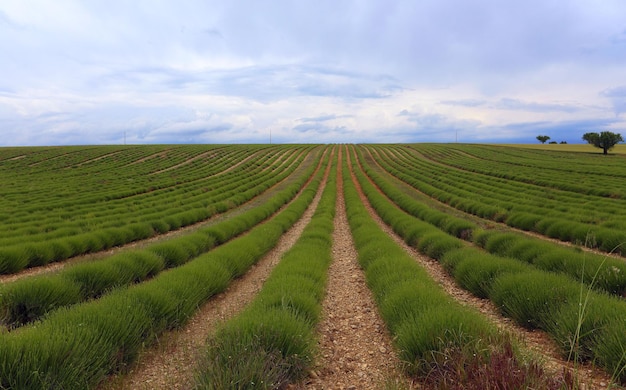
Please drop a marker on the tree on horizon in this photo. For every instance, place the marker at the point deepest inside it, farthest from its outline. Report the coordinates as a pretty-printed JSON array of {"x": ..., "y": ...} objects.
[
  {"x": 605, "y": 140},
  {"x": 543, "y": 138}
]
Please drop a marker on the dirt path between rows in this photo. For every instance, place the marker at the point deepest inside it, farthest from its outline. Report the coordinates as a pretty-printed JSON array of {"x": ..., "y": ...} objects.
[
  {"x": 170, "y": 364},
  {"x": 538, "y": 342},
  {"x": 205, "y": 155},
  {"x": 162, "y": 154},
  {"x": 355, "y": 348},
  {"x": 57, "y": 266},
  {"x": 487, "y": 223},
  {"x": 94, "y": 159}
]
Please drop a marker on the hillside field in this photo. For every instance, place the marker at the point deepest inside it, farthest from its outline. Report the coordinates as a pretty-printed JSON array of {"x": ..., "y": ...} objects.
[
  {"x": 312, "y": 266},
  {"x": 585, "y": 148}
]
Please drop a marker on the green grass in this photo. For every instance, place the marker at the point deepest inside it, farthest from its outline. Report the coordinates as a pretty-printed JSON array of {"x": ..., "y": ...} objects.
[
  {"x": 581, "y": 148},
  {"x": 604, "y": 273},
  {"x": 98, "y": 278},
  {"x": 610, "y": 349},
  {"x": 439, "y": 341},
  {"x": 23, "y": 303},
  {"x": 404, "y": 301},
  {"x": 437, "y": 244},
  {"x": 263, "y": 350},
  {"x": 477, "y": 271},
  {"x": 440, "y": 328},
  {"x": 579, "y": 196},
  {"x": 531, "y": 298},
  {"x": 73, "y": 214},
  {"x": 272, "y": 342},
  {"x": 578, "y": 326},
  {"x": 13, "y": 260},
  {"x": 73, "y": 349},
  {"x": 76, "y": 347}
]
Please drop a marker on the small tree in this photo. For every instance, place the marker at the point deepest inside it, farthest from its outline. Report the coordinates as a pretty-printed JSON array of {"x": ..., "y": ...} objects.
[
  {"x": 543, "y": 138},
  {"x": 605, "y": 140}
]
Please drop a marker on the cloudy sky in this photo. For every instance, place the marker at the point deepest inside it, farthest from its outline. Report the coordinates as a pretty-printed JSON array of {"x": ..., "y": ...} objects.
[{"x": 331, "y": 71}]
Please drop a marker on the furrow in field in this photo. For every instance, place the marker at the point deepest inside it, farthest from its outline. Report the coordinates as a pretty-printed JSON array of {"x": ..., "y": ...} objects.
[
  {"x": 96, "y": 159},
  {"x": 355, "y": 348},
  {"x": 258, "y": 200},
  {"x": 591, "y": 218},
  {"x": 61, "y": 155},
  {"x": 536, "y": 341},
  {"x": 170, "y": 364},
  {"x": 72, "y": 358},
  {"x": 490, "y": 224},
  {"x": 192, "y": 159},
  {"x": 161, "y": 154}
]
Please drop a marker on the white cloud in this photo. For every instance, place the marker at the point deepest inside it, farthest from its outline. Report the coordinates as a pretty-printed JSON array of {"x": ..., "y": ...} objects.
[{"x": 308, "y": 71}]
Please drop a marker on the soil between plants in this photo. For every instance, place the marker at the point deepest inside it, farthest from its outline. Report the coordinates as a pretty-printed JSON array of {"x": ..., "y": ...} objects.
[
  {"x": 170, "y": 364},
  {"x": 537, "y": 342},
  {"x": 138, "y": 244},
  {"x": 355, "y": 349}
]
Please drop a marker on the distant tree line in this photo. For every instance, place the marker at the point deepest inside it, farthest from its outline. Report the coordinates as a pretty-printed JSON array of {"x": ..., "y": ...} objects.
[
  {"x": 604, "y": 140},
  {"x": 544, "y": 138}
]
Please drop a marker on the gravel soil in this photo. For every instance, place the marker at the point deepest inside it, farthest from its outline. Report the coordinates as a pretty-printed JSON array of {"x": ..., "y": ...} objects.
[
  {"x": 57, "y": 266},
  {"x": 355, "y": 349},
  {"x": 537, "y": 342},
  {"x": 170, "y": 364}
]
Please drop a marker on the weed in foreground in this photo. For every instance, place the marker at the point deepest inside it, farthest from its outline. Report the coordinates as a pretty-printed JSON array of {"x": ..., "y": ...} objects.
[{"x": 459, "y": 367}]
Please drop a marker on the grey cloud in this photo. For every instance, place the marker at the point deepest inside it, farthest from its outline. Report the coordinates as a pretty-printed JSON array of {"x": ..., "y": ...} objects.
[
  {"x": 185, "y": 136},
  {"x": 570, "y": 131},
  {"x": 516, "y": 104},
  {"x": 324, "y": 118},
  {"x": 426, "y": 40},
  {"x": 424, "y": 120},
  {"x": 465, "y": 102},
  {"x": 320, "y": 129},
  {"x": 264, "y": 83},
  {"x": 327, "y": 81},
  {"x": 144, "y": 79},
  {"x": 213, "y": 32},
  {"x": 434, "y": 127},
  {"x": 513, "y": 104},
  {"x": 619, "y": 92},
  {"x": 159, "y": 66},
  {"x": 7, "y": 21},
  {"x": 617, "y": 96}
]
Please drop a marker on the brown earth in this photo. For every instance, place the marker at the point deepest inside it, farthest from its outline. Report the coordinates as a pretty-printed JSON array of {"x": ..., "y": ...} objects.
[
  {"x": 170, "y": 364},
  {"x": 56, "y": 266},
  {"x": 355, "y": 349},
  {"x": 537, "y": 342}
]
